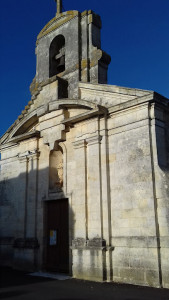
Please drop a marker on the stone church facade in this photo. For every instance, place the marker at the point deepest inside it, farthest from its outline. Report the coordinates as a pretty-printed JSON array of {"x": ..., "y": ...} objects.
[{"x": 84, "y": 178}]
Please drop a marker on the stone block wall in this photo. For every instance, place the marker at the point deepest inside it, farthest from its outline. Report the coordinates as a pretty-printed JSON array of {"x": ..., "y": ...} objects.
[{"x": 115, "y": 175}]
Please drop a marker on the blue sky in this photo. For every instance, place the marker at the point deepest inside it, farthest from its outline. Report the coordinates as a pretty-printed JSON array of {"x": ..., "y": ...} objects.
[{"x": 135, "y": 33}]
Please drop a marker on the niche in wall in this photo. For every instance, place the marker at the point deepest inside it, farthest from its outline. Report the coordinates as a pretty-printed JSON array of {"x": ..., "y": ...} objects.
[{"x": 56, "y": 171}]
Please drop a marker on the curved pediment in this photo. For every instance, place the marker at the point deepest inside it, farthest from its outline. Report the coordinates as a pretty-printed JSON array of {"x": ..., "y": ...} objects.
[
  {"x": 56, "y": 22},
  {"x": 29, "y": 122},
  {"x": 19, "y": 128}
]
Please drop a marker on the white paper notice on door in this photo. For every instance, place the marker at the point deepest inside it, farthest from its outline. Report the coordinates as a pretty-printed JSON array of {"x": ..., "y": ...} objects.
[{"x": 53, "y": 237}]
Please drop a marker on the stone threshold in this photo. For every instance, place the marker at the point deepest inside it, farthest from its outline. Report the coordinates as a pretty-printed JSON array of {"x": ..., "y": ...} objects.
[{"x": 56, "y": 276}]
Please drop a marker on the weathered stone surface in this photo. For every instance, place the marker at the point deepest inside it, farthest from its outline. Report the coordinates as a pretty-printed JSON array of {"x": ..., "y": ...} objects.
[
  {"x": 104, "y": 148},
  {"x": 96, "y": 242}
]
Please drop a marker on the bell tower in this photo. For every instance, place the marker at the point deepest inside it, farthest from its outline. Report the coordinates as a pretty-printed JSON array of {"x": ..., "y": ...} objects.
[
  {"x": 57, "y": 56},
  {"x": 69, "y": 47}
]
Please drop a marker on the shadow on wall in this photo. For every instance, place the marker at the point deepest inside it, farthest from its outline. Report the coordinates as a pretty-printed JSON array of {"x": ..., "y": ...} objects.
[
  {"x": 24, "y": 227},
  {"x": 162, "y": 174}
]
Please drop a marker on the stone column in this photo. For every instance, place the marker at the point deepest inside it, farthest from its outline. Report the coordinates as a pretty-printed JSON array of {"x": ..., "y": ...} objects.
[
  {"x": 22, "y": 197},
  {"x": 79, "y": 205},
  {"x": 31, "y": 231},
  {"x": 105, "y": 182},
  {"x": 106, "y": 199},
  {"x": 26, "y": 243},
  {"x": 90, "y": 253},
  {"x": 19, "y": 242},
  {"x": 94, "y": 193}
]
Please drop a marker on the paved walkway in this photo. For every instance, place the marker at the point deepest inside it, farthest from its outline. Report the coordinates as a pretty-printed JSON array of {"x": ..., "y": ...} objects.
[{"x": 19, "y": 286}]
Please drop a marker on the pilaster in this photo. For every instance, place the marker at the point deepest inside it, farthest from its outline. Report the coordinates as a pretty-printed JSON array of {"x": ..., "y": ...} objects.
[
  {"x": 22, "y": 197},
  {"x": 33, "y": 161},
  {"x": 26, "y": 243},
  {"x": 106, "y": 197},
  {"x": 94, "y": 187},
  {"x": 79, "y": 205}
]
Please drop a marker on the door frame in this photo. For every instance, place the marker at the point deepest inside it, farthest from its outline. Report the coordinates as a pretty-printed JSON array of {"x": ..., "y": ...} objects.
[{"x": 45, "y": 237}]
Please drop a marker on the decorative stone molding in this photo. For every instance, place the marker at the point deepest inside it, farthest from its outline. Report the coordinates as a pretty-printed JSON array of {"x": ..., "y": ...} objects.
[
  {"x": 32, "y": 116},
  {"x": 79, "y": 144},
  {"x": 28, "y": 154},
  {"x": 89, "y": 141},
  {"x": 79, "y": 242},
  {"x": 57, "y": 22},
  {"x": 85, "y": 116},
  {"x": 32, "y": 134},
  {"x": 53, "y": 106},
  {"x": 96, "y": 243},
  {"x": 94, "y": 140},
  {"x": 41, "y": 111},
  {"x": 26, "y": 243}
]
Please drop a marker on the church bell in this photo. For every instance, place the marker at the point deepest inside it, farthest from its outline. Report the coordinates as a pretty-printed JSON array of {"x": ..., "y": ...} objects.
[{"x": 61, "y": 64}]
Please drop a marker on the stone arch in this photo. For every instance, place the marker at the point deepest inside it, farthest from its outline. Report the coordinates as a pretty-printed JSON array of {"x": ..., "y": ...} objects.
[{"x": 57, "y": 56}]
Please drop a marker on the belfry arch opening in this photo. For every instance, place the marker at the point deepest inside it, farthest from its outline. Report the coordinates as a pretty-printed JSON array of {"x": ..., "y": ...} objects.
[{"x": 57, "y": 56}]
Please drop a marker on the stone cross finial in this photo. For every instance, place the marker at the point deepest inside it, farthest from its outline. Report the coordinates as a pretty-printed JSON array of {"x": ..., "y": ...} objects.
[{"x": 59, "y": 6}]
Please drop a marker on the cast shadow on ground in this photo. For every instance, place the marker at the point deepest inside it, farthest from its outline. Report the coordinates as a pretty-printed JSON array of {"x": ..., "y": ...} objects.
[{"x": 10, "y": 278}]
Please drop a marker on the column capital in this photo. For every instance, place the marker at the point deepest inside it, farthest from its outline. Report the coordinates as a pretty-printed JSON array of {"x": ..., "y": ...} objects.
[
  {"x": 94, "y": 140},
  {"x": 23, "y": 159},
  {"x": 25, "y": 156},
  {"x": 79, "y": 144}
]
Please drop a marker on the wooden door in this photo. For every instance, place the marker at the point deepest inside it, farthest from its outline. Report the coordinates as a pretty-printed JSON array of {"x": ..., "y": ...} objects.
[{"x": 57, "y": 254}]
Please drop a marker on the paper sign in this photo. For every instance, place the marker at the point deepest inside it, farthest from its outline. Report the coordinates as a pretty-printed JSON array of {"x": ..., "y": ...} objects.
[{"x": 53, "y": 237}]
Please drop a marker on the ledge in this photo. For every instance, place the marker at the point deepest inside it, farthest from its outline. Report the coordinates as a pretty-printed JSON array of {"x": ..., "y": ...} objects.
[
  {"x": 92, "y": 244},
  {"x": 26, "y": 243},
  {"x": 140, "y": 241},
  {"x": 25, "y": 136},
  {"x": 13, "y": 141}
]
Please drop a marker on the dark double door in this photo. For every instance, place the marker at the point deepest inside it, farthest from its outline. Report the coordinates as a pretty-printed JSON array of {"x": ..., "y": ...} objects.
[{"x": 57, "y": 250}]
